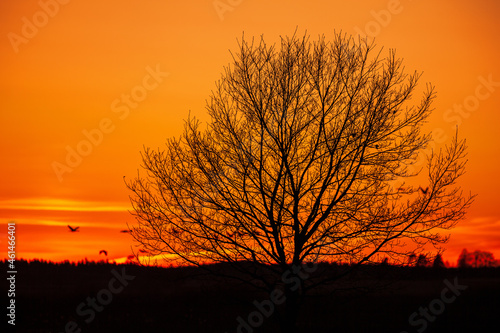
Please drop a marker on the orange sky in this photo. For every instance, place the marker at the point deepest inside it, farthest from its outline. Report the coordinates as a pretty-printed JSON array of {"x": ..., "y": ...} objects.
[{"x": 73, "y": 70}]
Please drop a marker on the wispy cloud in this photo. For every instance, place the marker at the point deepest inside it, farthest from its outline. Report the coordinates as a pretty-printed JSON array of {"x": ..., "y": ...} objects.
[
  {"x": 62, "y": 205},
  {"x": 479, "y": 233},
  {"x": 484, "y": 228}
]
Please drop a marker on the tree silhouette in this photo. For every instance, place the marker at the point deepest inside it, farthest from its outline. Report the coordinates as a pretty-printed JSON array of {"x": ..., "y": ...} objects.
[
  {"x": 299, "y": 163},
  {"x": 412, "y": 259},
  {"x": 422, "y": 261},
  {"x": 438, "y": 261},
  {"x": 476, "y": 259}
]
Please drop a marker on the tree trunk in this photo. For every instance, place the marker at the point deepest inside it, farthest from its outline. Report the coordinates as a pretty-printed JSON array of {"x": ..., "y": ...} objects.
[{"x": 291, "y": 310}]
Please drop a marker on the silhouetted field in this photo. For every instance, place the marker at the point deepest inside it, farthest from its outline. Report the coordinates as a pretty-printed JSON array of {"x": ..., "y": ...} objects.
[{"x": 375, "y": 299}]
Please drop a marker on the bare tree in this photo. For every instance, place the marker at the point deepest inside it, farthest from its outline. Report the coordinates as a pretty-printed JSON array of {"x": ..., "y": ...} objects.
[
  {"x": 476, "y": 259},
  {"x": 299, "y": 163},
  {"x": 438, "y": 262},
  {"x": 423, "y": 261}
]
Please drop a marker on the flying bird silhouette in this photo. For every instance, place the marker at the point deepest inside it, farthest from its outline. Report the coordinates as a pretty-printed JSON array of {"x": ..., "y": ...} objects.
[
  {"x": 424, "y": 191},
  {"x": 104, "y": 251},
  {"x": 143, "y": 251},
  {"x": 125, "y": 231},
  {"x": 73, "y": 229}
]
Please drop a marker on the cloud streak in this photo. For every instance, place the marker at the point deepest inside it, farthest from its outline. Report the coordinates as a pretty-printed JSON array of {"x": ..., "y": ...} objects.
[{"x": 62, "y": 205}]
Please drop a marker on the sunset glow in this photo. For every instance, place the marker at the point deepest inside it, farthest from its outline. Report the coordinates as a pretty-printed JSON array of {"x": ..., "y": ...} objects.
[{"x": 85, "y": 85}]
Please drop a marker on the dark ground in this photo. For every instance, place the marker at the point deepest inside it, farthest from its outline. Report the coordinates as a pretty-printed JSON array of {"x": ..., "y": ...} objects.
[{"x": 182, "y": 300}]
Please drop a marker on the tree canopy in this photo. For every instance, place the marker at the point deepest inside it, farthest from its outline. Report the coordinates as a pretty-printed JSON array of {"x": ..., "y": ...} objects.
[{"x": 299, "y": 162}]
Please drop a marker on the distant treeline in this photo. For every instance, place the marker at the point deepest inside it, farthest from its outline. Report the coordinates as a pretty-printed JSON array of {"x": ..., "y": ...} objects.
[
  {"x": 476, "y": 259},
  {"x": 466, "y": 259}
]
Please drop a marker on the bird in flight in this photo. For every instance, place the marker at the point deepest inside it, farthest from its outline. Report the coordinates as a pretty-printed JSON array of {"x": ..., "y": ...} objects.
[
  {"x": 143, "y": 251},
  {"x": 125, "y": 231},
  {"x": 424, "y": 191},
  {"x": 73, "y": 229},
  {"x": 103, "y": 251}
]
